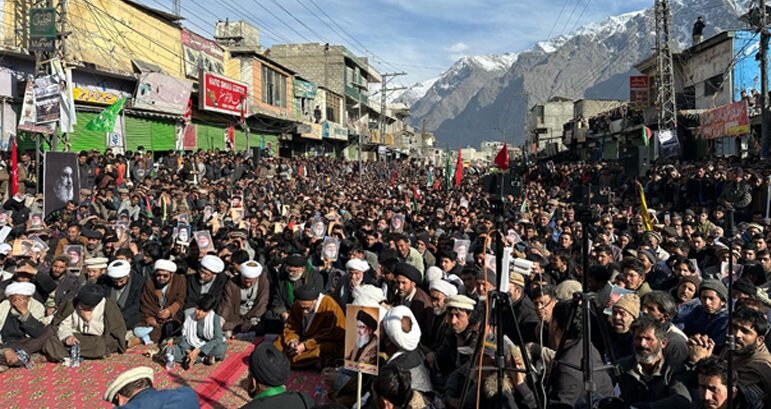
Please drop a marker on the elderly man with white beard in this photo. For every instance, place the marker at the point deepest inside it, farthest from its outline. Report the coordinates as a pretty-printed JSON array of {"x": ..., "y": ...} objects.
[
  {"x": 342, "y": 289},
  {"x": 647, "y": 378},
  {"x": 21, "y": 324},
  {"x": 366, "y": 340},
  {"x": 440, "y": 291}
]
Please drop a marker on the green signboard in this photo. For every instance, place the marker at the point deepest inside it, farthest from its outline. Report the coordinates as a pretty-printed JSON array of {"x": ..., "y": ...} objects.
[
  {"x": 42, "y": 29},
  {"x": 304, "y": 89}
]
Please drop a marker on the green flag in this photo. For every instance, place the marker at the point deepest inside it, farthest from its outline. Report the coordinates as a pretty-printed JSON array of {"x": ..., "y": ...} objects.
[{"x": 105, "y": 121}]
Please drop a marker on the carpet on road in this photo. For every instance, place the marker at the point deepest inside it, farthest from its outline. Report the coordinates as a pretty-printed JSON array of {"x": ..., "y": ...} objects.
[{"x": 222, "y": 385}]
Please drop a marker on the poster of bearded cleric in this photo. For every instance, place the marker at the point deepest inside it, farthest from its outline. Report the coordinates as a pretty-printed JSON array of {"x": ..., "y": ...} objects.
[
  {"x": 361, "y": 339},
  {"x": 61, "y": 181}
]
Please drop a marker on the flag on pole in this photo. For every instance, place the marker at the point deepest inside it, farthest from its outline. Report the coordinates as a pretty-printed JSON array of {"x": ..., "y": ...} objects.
[
  {"x": 447, "y": 179},
  {"x": 430, "y": 178},
  {"x": 502, "y": 158},
  {"x": 458, "y": 169},
  {"x": 647, "y": 134},
  {"x": 14, "y": 167},
  {"x": 105, "y": 121},
  {"x": 647, "y": 224}
]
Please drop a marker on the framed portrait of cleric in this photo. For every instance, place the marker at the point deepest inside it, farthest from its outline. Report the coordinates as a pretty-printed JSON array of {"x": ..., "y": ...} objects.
[
  {"x": 203, "y": 240},
  {"x": 23, "y": 248},
  {"x": 460, "y": 247},
  {"x": 362, "y": 332},
  {"x": 397, "y": 223},
  {"x": 36, "y": 219},
  {"x": 318, "y": 227},
  {"x": 183, "y": 232},
  {"x": 5, "y": 217},
  {"x": 75, "y": 253},
  {"x": 330, "y": 249},
  {"x": 61, "y": 180}
]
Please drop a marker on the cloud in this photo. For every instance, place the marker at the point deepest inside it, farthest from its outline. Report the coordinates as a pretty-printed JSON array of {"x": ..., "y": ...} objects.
[{"x": 457, "y": 48}]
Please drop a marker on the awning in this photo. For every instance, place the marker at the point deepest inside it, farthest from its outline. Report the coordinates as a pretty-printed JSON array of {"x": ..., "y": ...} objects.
[{"x": 132, "y": 112}]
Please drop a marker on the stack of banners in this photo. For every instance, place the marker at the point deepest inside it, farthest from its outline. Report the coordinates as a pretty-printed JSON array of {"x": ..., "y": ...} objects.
[
  {"x": 28, "y": 116},
  {"x": 67, "y": 118},
  {"x": 46, "y": 94}
]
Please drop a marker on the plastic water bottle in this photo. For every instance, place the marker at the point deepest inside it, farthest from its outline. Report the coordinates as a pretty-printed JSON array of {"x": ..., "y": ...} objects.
[
  {"x": 169, "y": 355},
  {"x": 75, "y": 356},
  {"x": 24, "y": 358},
  {"x": 318, "y": 396}
]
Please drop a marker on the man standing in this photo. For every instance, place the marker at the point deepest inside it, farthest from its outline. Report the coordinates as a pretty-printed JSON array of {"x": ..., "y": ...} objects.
[
  {"x": 366, "y": 341},
  {"x": 409, "y": 255},
  {"x": 407, "y": 279},
  {"x": 125, "y": 287},
  {"x": 460, "y": 334},
  {"x": 90, "y": 320},
  {"x": 314, "y": 331},
  {"x": 440, "y": 291},
  {"x": 647, "y": 379},
  {"x": 698, "y": 30},
  {"x": 133, "y": 389},
  {"x": 523, "y": 308}
]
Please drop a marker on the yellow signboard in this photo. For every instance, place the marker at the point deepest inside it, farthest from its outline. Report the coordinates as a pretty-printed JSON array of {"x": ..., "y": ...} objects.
[{"x": 94, "y": 97}]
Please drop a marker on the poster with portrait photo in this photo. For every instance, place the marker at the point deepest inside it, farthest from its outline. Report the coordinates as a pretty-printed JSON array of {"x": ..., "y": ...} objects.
[
  {"x": 36, "y": 219},
  {"x": 6, "y": 217},
  {"x": 61, "y": 180},
  {"x": 397, "y": 223},
  {"x": 362, "y": 339},
  {"x": 318, "y": 228},
  {"x": 75, "y": 253},
  {"x": 203, "y": 240},
  {"x": 23, "y": 248},
  {"x": 330, "y": 249},
  {"x": 460, "y": 247},
  {"x": 183, "y": 231}
]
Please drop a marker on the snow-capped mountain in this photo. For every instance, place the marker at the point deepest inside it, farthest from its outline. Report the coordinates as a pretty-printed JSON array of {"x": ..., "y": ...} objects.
[
  {"x": 473, "y": 98},
  {"x": 414, "y": 92}
]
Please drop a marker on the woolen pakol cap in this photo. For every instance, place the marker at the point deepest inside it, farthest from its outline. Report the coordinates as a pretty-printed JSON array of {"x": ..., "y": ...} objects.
[{"x": 132, "y": 375}]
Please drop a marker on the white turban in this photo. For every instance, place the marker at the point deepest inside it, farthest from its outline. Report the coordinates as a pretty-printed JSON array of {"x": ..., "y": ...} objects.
[
  {"x": 443, "y": 287},
  {"x": 434, "y": 273},
  {"x": 213, "y": 263},
  {"x": 357, "y": 264},
  {"x": 118, "y": 269},
  {"x": 250, "y": 269},
  {"x": 16, "y": 288},
  {"x": 368, "y": 295},
  {"x": 165, "y": 265},
  {"x": 392, "y": 325}
]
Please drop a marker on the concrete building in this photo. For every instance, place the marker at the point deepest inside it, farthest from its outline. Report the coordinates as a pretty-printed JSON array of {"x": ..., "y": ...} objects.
[
  {"x": 545, "y": 124},
  {"x": 587, "y": 108}
]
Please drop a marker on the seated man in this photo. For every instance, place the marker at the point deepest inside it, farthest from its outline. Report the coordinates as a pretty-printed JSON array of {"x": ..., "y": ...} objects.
[
  {"x": 315, "y": 330},
  {"x": 249, "y": 295},
  {"x": 125, "y": 287},
  {"x": 202, "y": 339},
  {"x": 162, "y": 298},
  {"x": 134, "y": 389},
  {"x": 710, "y": 317},
  {"x": 269, "y": 370},
  {"x": 21, "y": 326},
  {"x": 90, "y": 320}
]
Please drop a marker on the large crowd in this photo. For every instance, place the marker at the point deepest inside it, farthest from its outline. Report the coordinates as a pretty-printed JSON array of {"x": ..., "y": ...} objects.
[{"x": 182, "y": 252}]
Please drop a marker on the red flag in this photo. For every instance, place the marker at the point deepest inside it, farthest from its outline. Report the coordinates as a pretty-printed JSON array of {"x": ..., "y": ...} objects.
[
  {"x": 436, "y": 184},
  {"x": 394, "y": 176},
  {"x": 415, "y": 193},
  {"x": 458, "y": 169},
  {"x": 14, "y": 168},
  {"x": 502, "y": 159}
]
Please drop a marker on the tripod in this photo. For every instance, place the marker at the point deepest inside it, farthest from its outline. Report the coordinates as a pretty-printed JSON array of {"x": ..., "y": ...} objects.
[
  {"x": 585, "y": 301},
  {"x": 500, "y": 301}
]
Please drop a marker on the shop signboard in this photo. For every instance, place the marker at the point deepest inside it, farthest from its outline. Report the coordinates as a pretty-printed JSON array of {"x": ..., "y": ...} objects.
[
  {"x": 728, "y": 120},
  {"x": 220, "y": 94},
  {"x": 201, "y": 54},
  {"x": 42, "y": 29},
  {"x": 162, "y": 93},
  {"x": 639, "y": 90}
]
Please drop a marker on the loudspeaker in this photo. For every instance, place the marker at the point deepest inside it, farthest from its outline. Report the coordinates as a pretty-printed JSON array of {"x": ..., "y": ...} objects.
[
  {"x": 502, "y": 184},
  {"x": 635, "y": 161}
]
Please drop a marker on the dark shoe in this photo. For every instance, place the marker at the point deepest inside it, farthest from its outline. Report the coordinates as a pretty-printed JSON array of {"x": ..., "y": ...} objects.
[
  {"x": 186, "y": 363},
  {"x": 209, "y": 360}
]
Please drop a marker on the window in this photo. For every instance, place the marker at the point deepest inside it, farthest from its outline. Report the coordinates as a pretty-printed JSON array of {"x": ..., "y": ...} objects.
[
  {"x": 273, "y": 87},
  {"x": 333, "y": 108},
  {"x": 712, "y": 85}
]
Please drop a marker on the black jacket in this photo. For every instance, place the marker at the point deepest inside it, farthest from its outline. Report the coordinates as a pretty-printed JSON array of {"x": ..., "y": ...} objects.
[
  {"x": 217, "y": 290},
  {"x": 286, "y": 400},
  {"x": 662, "y": 391},
  {"x": 129, "y": 309},
  {"x": 566, "y": 384},
  {"x": 280, "y": 291}
]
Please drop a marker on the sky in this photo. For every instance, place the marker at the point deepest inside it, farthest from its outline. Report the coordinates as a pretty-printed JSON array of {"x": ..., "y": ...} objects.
[{"x": 419, "y": 37}]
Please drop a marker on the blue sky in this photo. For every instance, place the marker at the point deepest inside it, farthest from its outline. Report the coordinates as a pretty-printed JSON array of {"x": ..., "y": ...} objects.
[{"x": 420, "y": 37}]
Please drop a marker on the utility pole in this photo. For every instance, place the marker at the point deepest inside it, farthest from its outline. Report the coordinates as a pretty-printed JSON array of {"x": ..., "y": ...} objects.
[
  {"x": 384, "y": 90},
  {"x": 665, "y": 84},
  {"x": 177, "y": 7},
  {"x": 765, "y": 143}
]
